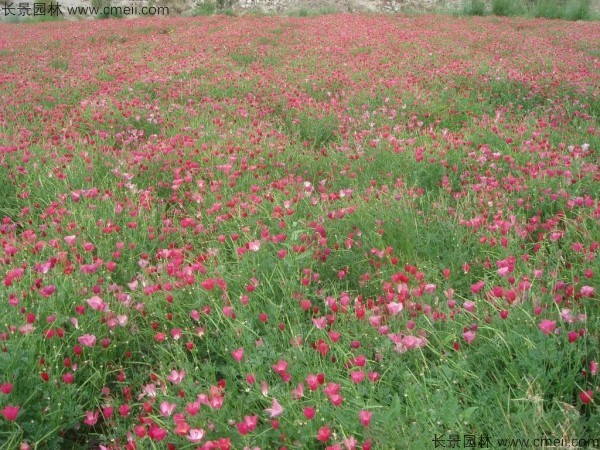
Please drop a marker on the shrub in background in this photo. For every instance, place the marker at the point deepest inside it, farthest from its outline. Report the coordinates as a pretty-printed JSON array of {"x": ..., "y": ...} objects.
[
  {"x": 474, "y": 8},
  {"x": 508, "y": 7},
  {"x": 578, "y": 10}
]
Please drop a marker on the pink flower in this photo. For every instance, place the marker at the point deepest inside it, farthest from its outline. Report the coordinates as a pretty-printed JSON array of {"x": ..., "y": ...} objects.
[
  {"x": 298, "y": 392},
  {"x": 394, "y": 308},
  {"x": 357, "y": 376},
  {"x": 475, "y": 288},
  {"x": 238, "y": 354},
  {"x": 280, "y": 367},
  {"x": 547, "y": 326},
  {"x": 323, "y": 434},
  {"x": 91, "y": 418},
  {"x": 469, "y": 306},
  {"x": 320, "y": 322},
  {"x": 166, "y": 408},
  {"x": 275, "y": 410},
  {"x": 195, "y": 435},
  {"x": 254, "y": 246},
  {"x": 247, "y": 425},
  {"x": 375, "y": 321},
  {"x": 365, "y": 417},
  {"x": 593, "y": 367},
  {"x": 309, "y": 412},
  {"x": 87, "y": 340},
  {"x": 10, "y": 413},
  {"x": 181, "y": 426},
  {"x": 6, "y": 388},
  {"x": 96, "y": 303},
  {"x": 176, "y": 377},
  {"x": 503, "y": 271},
  {"x": 124, "y": 410},
  {"x": 208, "y": 284},
  {"x": 587, "y": 291},
  {"x": 68, "y": 378},
  {"x": 331, "y": 389},
  {"x": 47, "y": 291},
  {"x": 349, "y": 443},
  {"x": 469, "y": 336}
]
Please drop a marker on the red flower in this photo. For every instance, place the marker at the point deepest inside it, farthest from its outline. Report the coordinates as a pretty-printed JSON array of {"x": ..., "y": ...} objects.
[
  {"x": 586, "y": 396},
  {"x": 157, "y": 434}
]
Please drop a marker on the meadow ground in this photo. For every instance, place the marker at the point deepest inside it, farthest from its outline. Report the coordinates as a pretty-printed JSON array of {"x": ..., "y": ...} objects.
[{"x": 347, "y": 231}]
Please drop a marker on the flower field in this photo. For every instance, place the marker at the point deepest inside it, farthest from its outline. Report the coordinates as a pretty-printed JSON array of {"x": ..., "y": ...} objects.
[{"x": 343, "y": 232}]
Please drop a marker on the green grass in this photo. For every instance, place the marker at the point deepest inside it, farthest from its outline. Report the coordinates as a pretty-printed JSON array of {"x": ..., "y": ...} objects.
[
  {"x": 204, "y": 8},
  {"x": 549, "y": 9},
  {"x": 474, "y": 8},
  {"x": 311, "y": 12}
]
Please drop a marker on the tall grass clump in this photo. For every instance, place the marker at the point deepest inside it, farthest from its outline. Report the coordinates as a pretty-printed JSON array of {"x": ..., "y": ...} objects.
[
  {"x": 549, "y": 9},
  {"x": 508, "y": 7},
  {"x": 474, "y": 8},
  {"x": 578, "y": 10},
  {"x": 204, "y": 9},
  {"x": 306, "y": 12}
]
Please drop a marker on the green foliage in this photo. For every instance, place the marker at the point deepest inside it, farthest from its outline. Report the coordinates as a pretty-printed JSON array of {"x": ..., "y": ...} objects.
[
  {"x": 508, "y": 7},
  {"x": 106, "y": 10},
  {"x": 316, "y": 129},
  {"x": 210, "y": 7},
  {"x": 549, "y": 9},
  {"x": 474, "y": 8},
  {"x": 204, "y": 8},
  {"x": 9, "y": 203},
  {"x": 308, "y": 12},
  {"x": 578, "y": 10}
]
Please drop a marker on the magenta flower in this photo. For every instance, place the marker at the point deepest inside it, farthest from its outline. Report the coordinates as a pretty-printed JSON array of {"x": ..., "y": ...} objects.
[
  {"x": 10, "y": 413},
  {"x": 309, "y": 412},
  {"x": 91, "y": 418},
  {"x": 238, "y": 354},
  {"x": 547, "y": 326},
  {"x": 324, "y": 434},
  {"x": 157, "y": 434},
  {"x": 365, "y": 417},
  {"x": 47, "y": 291}
]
